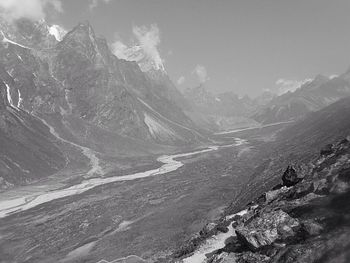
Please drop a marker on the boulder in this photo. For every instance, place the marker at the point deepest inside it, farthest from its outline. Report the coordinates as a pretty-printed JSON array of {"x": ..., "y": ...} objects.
[
  {"x": 327, "y": 150},
  {"x": 290, "y": 177},
  {"x": 302, "y": 189},
  {"x": 274, "y": 194},
  {"x": 311, "y": 227},
  {"x": 208, "y": 229},
  {"x": 265, "y": 229}
]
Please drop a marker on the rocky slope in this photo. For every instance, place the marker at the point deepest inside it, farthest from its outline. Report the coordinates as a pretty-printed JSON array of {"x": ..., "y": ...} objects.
[
  {"x": 305, "y": 218},
  {"x": 86, "y": 96},
  {"x": 310, "y": 97},
  {"x": 27, "y": 150},
  {"x": 293, "y": 152}
]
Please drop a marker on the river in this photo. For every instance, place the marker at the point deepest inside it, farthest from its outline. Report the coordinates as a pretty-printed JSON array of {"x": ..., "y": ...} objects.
[{"x": 169, "y": 164}]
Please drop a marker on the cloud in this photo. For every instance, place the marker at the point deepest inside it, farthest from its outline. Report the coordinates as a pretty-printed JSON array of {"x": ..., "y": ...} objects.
[
  {"x": 333, "y": 76},
  {"x": 145, "y": 45},
  {"x": 31, "y": 9},
  {"x": 201, "y": 73},
  {"x": 149, "y": 39},
  {"x": 94, "y": 3},
  {"x": 180, "y": 80},
  {"x": 285, "y": 85}
]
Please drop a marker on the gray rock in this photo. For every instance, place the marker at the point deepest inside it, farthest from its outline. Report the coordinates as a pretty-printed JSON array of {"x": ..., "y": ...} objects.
[
  {"x": 311, "y": 227},
  {"x": 266, "y": 228},
  {"x": 290, "y": 177},
  {"x": 274, "y": 194}
]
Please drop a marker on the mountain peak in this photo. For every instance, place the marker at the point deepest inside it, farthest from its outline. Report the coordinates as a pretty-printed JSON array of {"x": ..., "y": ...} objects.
[
  {"x": 57, "y": 31},
  {"x": 146, "y": 62},
  {"x": 82, "y": 33}
]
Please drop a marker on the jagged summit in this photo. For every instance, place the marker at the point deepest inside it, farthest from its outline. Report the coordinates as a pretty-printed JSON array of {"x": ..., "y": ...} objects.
[{"x": 146, "y": 63}]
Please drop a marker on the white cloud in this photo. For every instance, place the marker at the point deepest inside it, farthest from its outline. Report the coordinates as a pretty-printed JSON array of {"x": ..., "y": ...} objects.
[
  {"x": 94, "y": 3},
  {"x": 180, "y": 80},
  {"x": 149, "y": 39},
  {"x": 285, "y": 85},
  {"x": 201, "y": 73},
  {"x": 146, "y": 41},
  {"x": 31, "y": 9},
  {"x": 333, "y": 76}
]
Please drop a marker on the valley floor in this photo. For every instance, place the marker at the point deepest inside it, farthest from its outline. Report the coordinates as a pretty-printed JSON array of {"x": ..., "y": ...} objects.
[{"x": 145, "y": 213}]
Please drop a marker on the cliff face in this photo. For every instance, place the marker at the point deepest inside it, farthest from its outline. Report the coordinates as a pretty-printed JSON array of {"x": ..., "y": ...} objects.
[{"x": 303, "y": 219}]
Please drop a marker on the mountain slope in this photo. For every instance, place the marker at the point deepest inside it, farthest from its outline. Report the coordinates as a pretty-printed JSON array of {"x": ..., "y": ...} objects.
[
  {"x": 310, "y": 97},
  {"x": 312, "y": 159},
  {"x": 88, "y": 81},
  {"x": 27, "y": 151},
  {"x": 94, "y": 104}
]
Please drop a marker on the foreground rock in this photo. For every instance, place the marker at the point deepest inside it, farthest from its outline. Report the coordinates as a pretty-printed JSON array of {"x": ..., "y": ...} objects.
[
  {"x": 266, "y": 229},
  {"x": 305, "y": 219},
  {"x": 290, "y": 177}
]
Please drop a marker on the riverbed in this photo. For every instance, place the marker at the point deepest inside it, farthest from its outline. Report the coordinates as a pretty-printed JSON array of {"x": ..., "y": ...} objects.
[{"x": 143, "y": 213}]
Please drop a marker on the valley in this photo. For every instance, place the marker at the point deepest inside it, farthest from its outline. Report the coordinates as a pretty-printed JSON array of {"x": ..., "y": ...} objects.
[
  {"x": 159, "y": 205},
  {"x": 117, "y": 150}
]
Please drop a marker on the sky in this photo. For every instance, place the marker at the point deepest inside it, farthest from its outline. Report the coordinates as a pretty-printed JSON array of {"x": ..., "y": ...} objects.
[{"x": 244, "y": 46}]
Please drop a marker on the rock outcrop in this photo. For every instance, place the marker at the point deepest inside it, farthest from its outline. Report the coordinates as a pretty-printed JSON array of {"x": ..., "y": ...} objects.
[
  {"x": 266, "y": 229},
  {"x": 290, "y": 177},
  {"x": 308, "y": 221}
]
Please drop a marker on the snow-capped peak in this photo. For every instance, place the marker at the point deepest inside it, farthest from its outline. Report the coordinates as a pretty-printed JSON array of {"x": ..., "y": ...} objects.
[
  {"x": 57, "y": 31},
  {"x": 136, "y": 53}
]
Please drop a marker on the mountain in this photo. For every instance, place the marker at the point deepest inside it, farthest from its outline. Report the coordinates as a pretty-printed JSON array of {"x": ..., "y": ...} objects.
[
  {"x": 86, "y": 80},
  {"x": 310, "y": 97},
  {"x": 225, "y": 104},
  {"x": 264, "y": 98},
  {"x": 88, "y": 99},
  {"x": 27, "y": 150},
  {"x": 222, "y": 111}
]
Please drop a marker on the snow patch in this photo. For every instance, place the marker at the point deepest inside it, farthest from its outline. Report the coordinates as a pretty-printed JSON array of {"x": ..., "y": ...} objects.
[
  {"x": 10, "y": 72},
  {"x": 20, "y": 99},
  {"x": 57, "y": 31},
  {"x": 9, "y": 98}
]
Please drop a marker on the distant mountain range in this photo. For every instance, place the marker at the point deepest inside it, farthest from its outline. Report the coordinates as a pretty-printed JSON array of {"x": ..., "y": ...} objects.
[
  {"x": 228, "y": 110},
  {"x": 310, "y": 97}
]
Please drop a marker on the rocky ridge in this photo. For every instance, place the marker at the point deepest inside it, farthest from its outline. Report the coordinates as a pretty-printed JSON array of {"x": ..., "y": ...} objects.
[{"x": 305, "y": 218}]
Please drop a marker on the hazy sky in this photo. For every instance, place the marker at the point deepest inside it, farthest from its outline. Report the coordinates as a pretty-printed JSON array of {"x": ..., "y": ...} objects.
[{"x": 240, "y": 45}]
